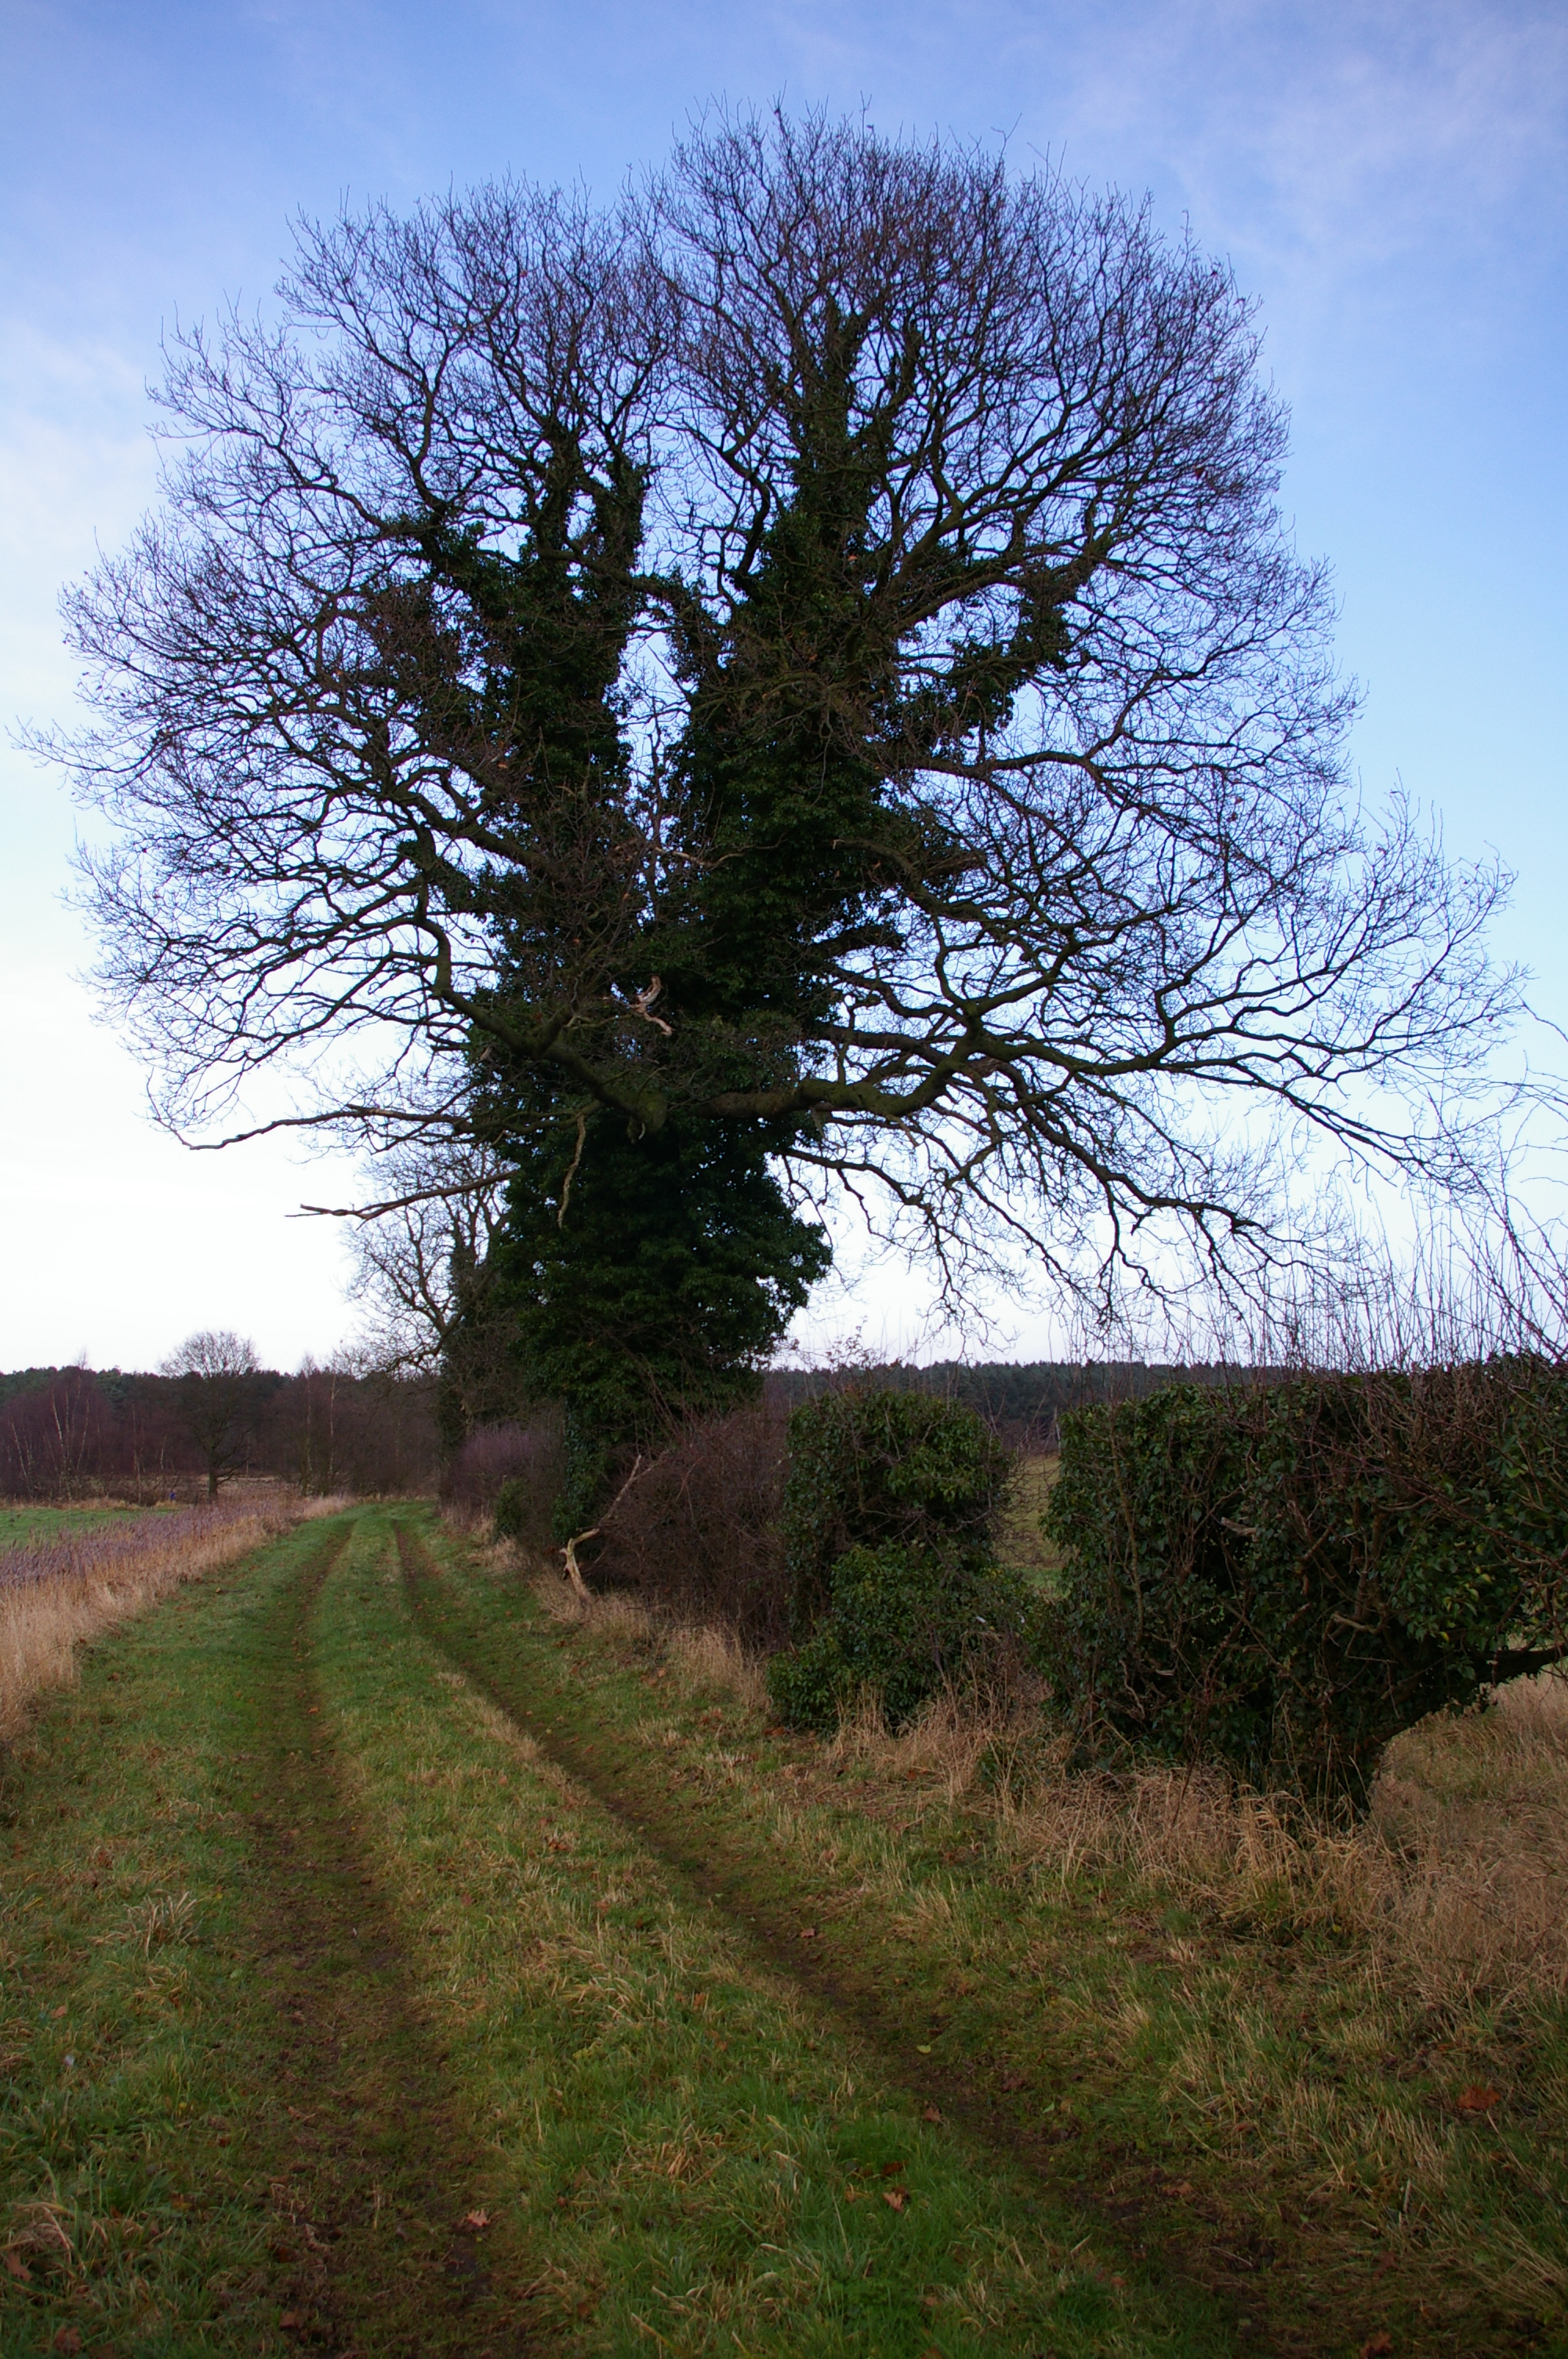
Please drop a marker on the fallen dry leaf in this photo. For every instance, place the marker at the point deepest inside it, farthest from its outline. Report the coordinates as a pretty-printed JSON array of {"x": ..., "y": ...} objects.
[
  {"x": 66, "y": 2339},
  {"x": 1377, "y": 2346},
  {"x": 1011, "y": 2081},
  {"x": 931, "y": 2114},
  {"x": 894, "y": 2197},
  {"x": 476, "y": 2219},
  {"x": 1479, "y": 2100},
  {"x": 808, "y": 1932},
  {"x": 292, "y": 2321},
  {"x": 892, "y": 2169}
]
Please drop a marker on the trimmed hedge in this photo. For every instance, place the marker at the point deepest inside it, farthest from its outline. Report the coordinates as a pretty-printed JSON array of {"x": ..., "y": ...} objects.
[
  {"x": 1278, "y": 1579},
  {"x": 870, "y": 1469},
  {"x": 902, "y": 1624}
]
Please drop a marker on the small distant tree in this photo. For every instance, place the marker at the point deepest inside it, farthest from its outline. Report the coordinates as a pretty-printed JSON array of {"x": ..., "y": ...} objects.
[{"x": 212, "y": 1369}]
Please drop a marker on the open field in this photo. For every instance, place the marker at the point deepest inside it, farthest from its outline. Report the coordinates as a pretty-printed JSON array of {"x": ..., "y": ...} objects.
[
  {"x": 18, "y": 1526},
  {"x": 1019, "y": 1540},
  {"x": 64, "y": 1584},
  {"x": 399, "y": 1964}
]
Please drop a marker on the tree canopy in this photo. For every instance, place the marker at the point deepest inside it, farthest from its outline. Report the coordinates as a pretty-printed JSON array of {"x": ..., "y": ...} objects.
[{"x": 795, "y": 680}]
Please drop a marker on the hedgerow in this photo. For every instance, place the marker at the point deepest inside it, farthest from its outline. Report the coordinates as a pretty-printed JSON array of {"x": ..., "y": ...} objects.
[
  {"x": 1277, "y": 1579},
  {"x": 869, "y": 1467},
  {"x": 891, "y": 1507},
  {"x": 902, "y": 1625}
]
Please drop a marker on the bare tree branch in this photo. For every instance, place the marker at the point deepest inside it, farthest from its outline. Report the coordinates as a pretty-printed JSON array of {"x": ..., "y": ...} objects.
[{"x": 1109, "y": 944}]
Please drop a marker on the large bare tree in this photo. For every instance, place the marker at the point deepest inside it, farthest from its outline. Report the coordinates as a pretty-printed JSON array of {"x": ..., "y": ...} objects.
[{"x": 811, "y": 653}]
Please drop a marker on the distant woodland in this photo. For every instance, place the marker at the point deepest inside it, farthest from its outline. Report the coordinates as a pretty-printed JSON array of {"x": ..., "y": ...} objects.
[{"x": 74, "y": 1432}]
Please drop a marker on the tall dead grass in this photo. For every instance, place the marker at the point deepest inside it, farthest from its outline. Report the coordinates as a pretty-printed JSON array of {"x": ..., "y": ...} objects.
[
  {"x": 1455, "y": 1886},
  {"x": 1456, "y": 1882},
  {"x": 58, "y": 1595},
  {"x": 704, "y": 1658}
]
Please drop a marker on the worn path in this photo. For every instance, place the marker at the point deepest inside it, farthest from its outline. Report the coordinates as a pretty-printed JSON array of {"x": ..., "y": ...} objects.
[
  {"x": 341, "y": 2018},
  {"x": 1117, "y": 2190},
  {"x": 379, "y": 2181}
]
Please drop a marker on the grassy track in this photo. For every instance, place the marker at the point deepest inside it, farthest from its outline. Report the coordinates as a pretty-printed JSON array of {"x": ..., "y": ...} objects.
[
  {"x": 392, "y": 1969},
  {"x": 339, "y": 2016},
  {"x": 1052, "y": 2018}
]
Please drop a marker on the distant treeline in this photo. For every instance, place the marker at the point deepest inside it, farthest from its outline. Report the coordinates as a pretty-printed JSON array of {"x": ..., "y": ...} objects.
[
  {"x": 73, "y": 1433},
  {"x": 1020, "y": 1399}
]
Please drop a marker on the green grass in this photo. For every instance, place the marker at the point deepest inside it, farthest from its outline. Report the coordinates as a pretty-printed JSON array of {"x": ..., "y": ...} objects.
[
  {"x": 394, "y": 1968},
  {"x": 1241, "y": 2097},
  {"x": 337, "y": 2012},
  {"x": 1020, "y": 1541}
]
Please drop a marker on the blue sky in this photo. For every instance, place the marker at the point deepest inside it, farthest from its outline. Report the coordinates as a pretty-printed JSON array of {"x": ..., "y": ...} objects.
[{"x": 1391, "y": 181}]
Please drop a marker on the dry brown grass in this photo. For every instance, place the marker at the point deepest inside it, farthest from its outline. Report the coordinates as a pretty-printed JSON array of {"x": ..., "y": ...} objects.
[
  {"x": 1456, "y": 1882},
  {"x": 702, "y": 1658},
  {"x": 97, "y": 1583}
]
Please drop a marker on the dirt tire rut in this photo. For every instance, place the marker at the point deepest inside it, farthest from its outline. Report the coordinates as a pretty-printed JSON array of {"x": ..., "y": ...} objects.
[
  {"x": 371, "y": 2239},
  {"x": 1124, "y": 2197}
]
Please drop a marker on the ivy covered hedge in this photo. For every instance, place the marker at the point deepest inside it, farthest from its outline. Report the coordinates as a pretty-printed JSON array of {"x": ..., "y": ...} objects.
[
  {"x": 1277, "y": 1579},
  {"x": 866, "y": 1468},
  {"x": 890, "y": 1509},
  {"x": 902, "y": 1624}
]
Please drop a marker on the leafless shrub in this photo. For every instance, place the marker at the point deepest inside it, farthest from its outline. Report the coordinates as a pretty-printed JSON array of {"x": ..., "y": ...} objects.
[
  {"x": 697, "y": 1532},
  {"x": 530, "y": 1453}
]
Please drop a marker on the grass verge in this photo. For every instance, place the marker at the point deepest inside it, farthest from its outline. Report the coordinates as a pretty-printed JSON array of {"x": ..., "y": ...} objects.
[
  {"x": 20, "y": 1526},
  {"x": 62, "y": 1589},
  {"x": 1335, "y": 2153}
]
